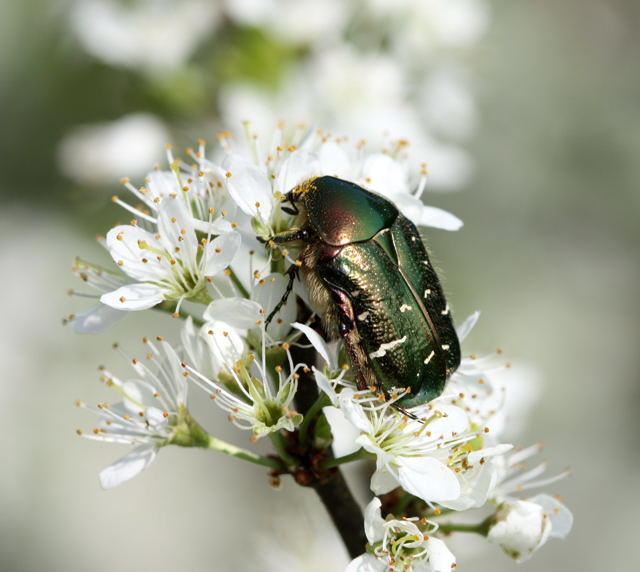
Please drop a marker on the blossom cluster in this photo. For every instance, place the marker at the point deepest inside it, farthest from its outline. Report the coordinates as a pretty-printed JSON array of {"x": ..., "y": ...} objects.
[{"x": 195, "y": 249}]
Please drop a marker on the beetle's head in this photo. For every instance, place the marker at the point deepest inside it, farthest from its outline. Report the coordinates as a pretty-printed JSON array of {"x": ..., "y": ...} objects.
[{"x": 296, "y": 196}]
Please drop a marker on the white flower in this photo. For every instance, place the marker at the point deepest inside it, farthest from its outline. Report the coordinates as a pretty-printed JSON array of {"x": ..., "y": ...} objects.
[
  {"x": 520, "y": 527},
  {"x": 171, "y": 263},
  {"x": 423, "y": 456},
  {"x": 100, "y": 153},
  {"x": 400, "y": 545},
  {"x": 300, "y": 21},
  {"x": 152, "y": 414},
  {"x": 258, "y": 177},
  {"x": 238, "y": 379},
  {"x": 152, "y": 35}
]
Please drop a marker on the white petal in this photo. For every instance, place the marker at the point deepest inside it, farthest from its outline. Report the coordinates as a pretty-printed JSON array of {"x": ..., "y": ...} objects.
[
  {"x": 123, "y": 243},
  {"x": 127, "y": 467},
  {"x": 427, "y": 478},
  {"x": 228, "y": 245},
  {"x": 382, "y": 482},
  {"x": 441, "y": 559},
  {"x": 334, "y": 161},
  {"x": 248, "y": 185},
  {"x": 133, "y": 297},
  {"x": 521, "y": 528},
  {"x": 325, "y": 386},
  {"x": 317, "y": 342},
  {"x": 176, "y": 229},
  {"x": 373, "y": 521},
  {"x": 298, "y": 167},
  {"x": 463, "y": 329},
  {"x": 559, "y": 515},
  {"x": 366, "y": 563},
  {"x": 97, "y": 319},
  {"x": 237, "y": 313},
  {"x": 438, "y": 218},
  {"x": 384, "y": 175},
  {"x": 344, "y": 433}
]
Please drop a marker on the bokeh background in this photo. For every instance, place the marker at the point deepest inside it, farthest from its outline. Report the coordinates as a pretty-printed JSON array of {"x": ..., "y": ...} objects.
[{"x": 528, "y": 114}]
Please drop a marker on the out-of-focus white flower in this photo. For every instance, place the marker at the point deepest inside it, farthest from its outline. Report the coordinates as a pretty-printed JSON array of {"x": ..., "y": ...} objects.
[
  {"x": 152, "y": 35},
  {"x": 170, "y": 263},
  {"x": 364, "y": 96},
  {"x": 152, "y": 414},
  {"x": 424, "y": 26},
  {"x": 100, "y": 153},
  {"x": 295, "y": 21},
  {"x": 520, "y": 527},
  {"x": 400, "y": 545},
  {"x": 239, "y": 381}
]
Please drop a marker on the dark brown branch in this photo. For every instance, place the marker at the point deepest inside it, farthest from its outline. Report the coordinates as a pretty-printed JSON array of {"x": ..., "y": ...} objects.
[{"x": 334, "y": 492}]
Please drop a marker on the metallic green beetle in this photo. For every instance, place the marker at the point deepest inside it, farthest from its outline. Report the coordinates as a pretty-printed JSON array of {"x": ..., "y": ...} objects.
[{"x": 369, "y": 277}]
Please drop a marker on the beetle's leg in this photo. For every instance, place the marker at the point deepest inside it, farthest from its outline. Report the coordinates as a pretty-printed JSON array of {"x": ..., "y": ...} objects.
[
  {"x": 293, "y": 235},
  {"x": 407, "y": 413},
  {"x": 292, "y": 272}
]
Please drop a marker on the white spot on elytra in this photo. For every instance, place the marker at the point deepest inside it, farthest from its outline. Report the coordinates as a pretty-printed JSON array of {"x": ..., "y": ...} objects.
[
  {"x": 404, "y": 308},
  {"x": 363, "y": 316},
  {"x": 427, "y": 292},
  {"x": 384, "y": 348},
  {"x": 445, "y": 347},
  {"x": 413, "y": 239},
  {"x": 429, "y": 358},
  {"x": 425, "y": 262},
  {"x": 445, "y": 311}
]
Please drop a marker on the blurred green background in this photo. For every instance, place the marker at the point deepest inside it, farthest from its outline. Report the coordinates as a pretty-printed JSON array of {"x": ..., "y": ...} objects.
[{"x": 550, "y": 144}]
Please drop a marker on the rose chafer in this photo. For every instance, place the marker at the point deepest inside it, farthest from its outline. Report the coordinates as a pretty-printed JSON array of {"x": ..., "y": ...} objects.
[{"x": 370, "y": 278}]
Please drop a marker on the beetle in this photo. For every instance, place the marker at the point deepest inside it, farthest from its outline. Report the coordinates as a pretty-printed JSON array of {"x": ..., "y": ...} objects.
[{"x": 370, "y": 279}]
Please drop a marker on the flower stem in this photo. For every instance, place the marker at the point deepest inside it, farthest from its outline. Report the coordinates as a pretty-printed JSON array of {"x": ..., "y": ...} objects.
[
  {"x": 355, "y": 456},
  {"x": 310, "y": 416},
  {"x": 278, "y": 442},
  {"x": 216, "y": 444},
  {"x": 481, "y": 528}
]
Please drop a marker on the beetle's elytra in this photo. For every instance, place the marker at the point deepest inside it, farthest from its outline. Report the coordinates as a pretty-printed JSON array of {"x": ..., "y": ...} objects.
[{"x": 370, "y": 278}]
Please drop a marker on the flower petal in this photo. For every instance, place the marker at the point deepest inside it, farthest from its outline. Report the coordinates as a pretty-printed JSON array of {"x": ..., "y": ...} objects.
[
  {"x": 248, "y": 185},
  {"x": 220, "y": 252},
  {"x": 97, "y": 319},
  {"x": 344, "y": 433},
  {"x": 427, "y": 478},
  {"x": 441, "y": 559},
  {"x": 298, "y": 167},
  {"x": 237, "y": 313},
  {"x": 317, "y": 342},
  {"x": 463, "y": 329},
  {"x": 438, "y": 218},
  {"x": 127, "y": 246},
  {"x": 382, "y": 482},
  {"x": 128, "y": 467},
  {"x": 373, "y": 521},
  {"x": 366, "y": 563},
  {"x": 559, "y": 515},
  {"x": 133, "y": 297}
]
